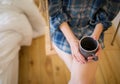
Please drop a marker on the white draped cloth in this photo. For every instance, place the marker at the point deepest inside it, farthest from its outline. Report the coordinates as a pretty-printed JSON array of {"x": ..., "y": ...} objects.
[{"x": 20, "y": 22}]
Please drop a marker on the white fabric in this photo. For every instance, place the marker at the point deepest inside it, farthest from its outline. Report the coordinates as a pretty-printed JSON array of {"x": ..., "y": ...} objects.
[
  {"x": 21, "y": 16},
  {"x": 9, "y": 48},
  {"x": 20, "y": 22}
]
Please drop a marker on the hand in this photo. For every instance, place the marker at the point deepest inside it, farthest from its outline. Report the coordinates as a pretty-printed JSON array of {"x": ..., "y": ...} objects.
[
  {"x": 97, "y": 53},
  {"x": 75, "y": 51},
  {"x": 73, "y": 41},
  {"x": 96, "y": 34}
]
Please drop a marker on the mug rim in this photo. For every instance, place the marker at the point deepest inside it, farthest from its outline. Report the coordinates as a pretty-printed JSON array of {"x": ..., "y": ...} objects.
[{"x": 88, "y": 50}]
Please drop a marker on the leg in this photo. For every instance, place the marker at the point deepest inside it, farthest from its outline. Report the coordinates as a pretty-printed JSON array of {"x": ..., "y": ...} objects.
[
  {"x": 64, "y": 56},
  {"x": 80, "y": 73},
  {"x": 9, "y": 48},
  {"x": 83, "y": 73}
]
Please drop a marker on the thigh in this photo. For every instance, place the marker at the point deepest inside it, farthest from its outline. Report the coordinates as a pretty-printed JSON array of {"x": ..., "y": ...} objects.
[
  {"x": 85, "y": 73},
  {"x": 67, "y": 58}
]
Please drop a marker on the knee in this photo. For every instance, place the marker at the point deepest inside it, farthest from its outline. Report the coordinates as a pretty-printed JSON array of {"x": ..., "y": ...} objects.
[
  {"x": 81, "y": 80},
  {"x": 83, "y": 74}
]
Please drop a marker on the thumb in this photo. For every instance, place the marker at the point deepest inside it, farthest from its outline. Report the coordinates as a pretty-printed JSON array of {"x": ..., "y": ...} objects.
[{"x": 94, "y": 37}]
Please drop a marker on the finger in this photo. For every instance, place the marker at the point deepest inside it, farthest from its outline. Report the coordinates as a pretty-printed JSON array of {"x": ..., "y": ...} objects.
[
  {"x": 78, "y": 59},
  {"x": 77, "y": 56},
  {"x": 74, "y": 57},
  {"x": 99, "y": 50},
  {"x": 94, "y": 37},
  {"x": 93, "y": 58},
  {"x": 90, "y": 58},
  {"x": 81, "y": 61},
  {"x": 81, "y": 58}
]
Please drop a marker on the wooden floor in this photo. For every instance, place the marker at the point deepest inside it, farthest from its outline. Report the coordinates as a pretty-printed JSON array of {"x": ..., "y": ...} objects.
[{"x": 37, "y": 68}]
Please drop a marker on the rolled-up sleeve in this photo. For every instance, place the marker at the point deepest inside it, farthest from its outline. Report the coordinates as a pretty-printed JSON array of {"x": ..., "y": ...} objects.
[
  {"x": 56, "y": 12},
  {"x": 106, "y": 13},
  {"x": 102, "y": 17}
]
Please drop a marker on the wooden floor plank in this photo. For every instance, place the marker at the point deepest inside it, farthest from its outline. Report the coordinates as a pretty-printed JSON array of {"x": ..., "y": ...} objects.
[
  {"x": 107, "y": 41},
  {"x": 99, "y": 76},
  {"x": 59, "y": 71},
  {"x": 23, "y": 67},
  {"x": 47, "y": 71},
  {"x": 34, "y": 65},
  {"x": 108, "y": 73},
  {"x": 113, "y": 57},
  {"x": 37, "y": 68}
]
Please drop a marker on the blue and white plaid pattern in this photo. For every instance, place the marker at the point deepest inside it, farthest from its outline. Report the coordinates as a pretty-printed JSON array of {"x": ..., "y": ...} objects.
[{"x": 82, "y": 16}]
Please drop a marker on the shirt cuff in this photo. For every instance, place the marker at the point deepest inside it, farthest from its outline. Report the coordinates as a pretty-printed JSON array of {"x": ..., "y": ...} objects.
[
  {"x": 58, "y": 19},
  {"x": 101, "y": 17},
  {"x": 61, "y": 18}
]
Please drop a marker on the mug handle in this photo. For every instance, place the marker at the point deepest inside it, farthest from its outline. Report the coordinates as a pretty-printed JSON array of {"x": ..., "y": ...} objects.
[{"x": 95, "y": 58}]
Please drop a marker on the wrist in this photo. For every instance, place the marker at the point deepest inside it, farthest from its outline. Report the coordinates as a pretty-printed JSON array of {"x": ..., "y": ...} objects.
[
  {"x": 72, "y": 41},
  {"x": 96, "y": 37},
  {"x": 97, "y": 31},
  {"x": 65, "y": 28},
  {"x": 71, "y": 38}
]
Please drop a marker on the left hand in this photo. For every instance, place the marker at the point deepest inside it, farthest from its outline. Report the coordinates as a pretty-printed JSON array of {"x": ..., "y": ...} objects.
[
  {"x": 97, "y": 53},
  {"x": 96, "y": 34}
]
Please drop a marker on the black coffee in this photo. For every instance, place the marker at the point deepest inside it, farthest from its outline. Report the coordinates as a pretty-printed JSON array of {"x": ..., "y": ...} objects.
[{"x": 88, "y": 44}]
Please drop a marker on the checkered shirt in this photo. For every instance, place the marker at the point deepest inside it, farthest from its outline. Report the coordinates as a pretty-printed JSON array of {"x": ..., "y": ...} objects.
[{"x": 82, "y": 17}]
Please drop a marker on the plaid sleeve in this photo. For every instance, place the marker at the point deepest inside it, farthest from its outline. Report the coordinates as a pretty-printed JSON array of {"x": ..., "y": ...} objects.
[
  {"x": 102, "y": 17},
  {"x": 57, "y": 13},
  {"x": 112, "y": 8},
  {"x": 105, "y": 13}
]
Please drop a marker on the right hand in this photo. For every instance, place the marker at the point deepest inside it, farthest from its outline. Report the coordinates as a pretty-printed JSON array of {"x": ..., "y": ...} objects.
[{"x": 76, "y": 52}]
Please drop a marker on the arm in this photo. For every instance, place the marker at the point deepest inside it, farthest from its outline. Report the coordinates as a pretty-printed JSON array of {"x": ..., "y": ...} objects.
[
  {"x": 64, "y": 27},
  {"x": 73, "y": 41},
  {"x": 102, "y": 17},
  {"x": 60, "y": 18},
  {"x": 104, "y": 13},
  {"x": 97, "y": 31},
  {"x": 56, "y": 12}
]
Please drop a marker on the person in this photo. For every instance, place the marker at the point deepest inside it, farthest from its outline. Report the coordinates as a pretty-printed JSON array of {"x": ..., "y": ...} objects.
[
  {"x": 70, "y": 20},
  {"x": 20, "y": 22}
]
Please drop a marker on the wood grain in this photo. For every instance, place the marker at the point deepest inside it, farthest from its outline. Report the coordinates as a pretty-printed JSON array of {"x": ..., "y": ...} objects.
[
  {"x": 37, "y": 68},
  {"x": 39, "y": 65}
]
